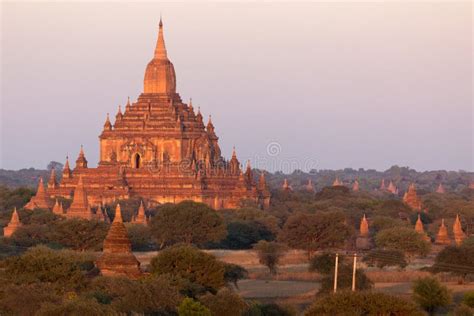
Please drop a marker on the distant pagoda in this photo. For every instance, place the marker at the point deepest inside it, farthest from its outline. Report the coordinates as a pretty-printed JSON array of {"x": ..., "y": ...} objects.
[
  {"x": 40, "y": 200},
  {"x": 420, "y": 229},
  {"x": 117, "y": 258},
  {"x": 458, "y": 233},
  {"x": 355, "y": 186},
  {"x": 140, "y": 218},
  {"x": 337, "y": 182},
  {"x": 309, "y": 186},
  {"x": 58, "y": 208},
  {"x": 440, "y": 189},
  {"x": 286, "y": 187},
  {"x": 392, "y": 188},
  {"x": 80, "y": 206},
  {"x": 159, "y": 149},
  {"x": 411, "y": 198},
  {"x": 363, "y": 240},
  {"x": 13, "y": 225},
  {"x": 442, "y": 238}
]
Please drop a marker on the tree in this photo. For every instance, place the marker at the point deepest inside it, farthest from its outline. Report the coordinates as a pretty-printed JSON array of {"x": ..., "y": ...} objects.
[
  {"x": 384, "y": 222},
  {"x": 189, "y": 263},
  {"x": 456, "y": 260},
  {"x": 403, "y": 239},
  {"x": 225, "y": 302},
  {"x": 77, "y": 306},
  {"x": 312, "y": 232},
  {"x": 430, "y": 294},
  {"x": 382, "y": 258},
  {"x": 64, "y": 269},
  {"x": 187, "y": 222},
  {"x": 244, "y": 234},
  {"x": 79, "y": 234},
  {"x": 152, "y": 295},
  {"x": 269, "y": 254},
  {"x": 361, "y": 303},
  {"x": 57, "y": 166},
  {"x": 468, "y": 299},
  {"x": 190, "y": 307},
  {"x": 323, "y": 263},
  {"x": 233, "y": 273},
  {"x": 140, "y": 237},
  {"x": 26, "y": 299}
]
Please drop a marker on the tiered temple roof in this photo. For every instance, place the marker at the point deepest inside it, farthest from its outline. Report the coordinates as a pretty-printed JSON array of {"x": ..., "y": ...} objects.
[
  {"x": 160, "y": 150},
  {"x": 13, "y": 225},
  {"x": 442, "y": 238},
  {"x": 411, "y": 198},
  {"x": 40, "y": 200},
  {"x": 117, "y": 258}
]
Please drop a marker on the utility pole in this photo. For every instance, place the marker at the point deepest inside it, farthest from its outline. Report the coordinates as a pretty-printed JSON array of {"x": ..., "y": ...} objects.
[
  {"x": 354, "y": 273},
  {"x": 335, "y": 272}
]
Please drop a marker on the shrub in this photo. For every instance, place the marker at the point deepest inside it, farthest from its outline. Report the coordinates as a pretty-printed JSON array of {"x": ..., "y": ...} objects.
[
  {"x": 225, "y": 302},
  {"x": 468, "y": 299},
  {"x": 190, "y": 307},
  {"x": 323, "y": 263},
  {"x": 430, "y": 294},
  {"x": 361, "y": 303},
  {"x": 382, "y": 258}
]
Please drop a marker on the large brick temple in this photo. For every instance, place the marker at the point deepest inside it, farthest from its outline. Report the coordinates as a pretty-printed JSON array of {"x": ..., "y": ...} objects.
[{"x": 160, "y": 150}]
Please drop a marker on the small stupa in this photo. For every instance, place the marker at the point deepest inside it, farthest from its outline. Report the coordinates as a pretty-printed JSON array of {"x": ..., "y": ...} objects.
[
  {"x": 440, "y": 189},
  {"x": 420, "y": 229},
  {"x": 337, "y": 182},
  {"x": 309, "y": 186},
  {"x": 355, "y": 186},
  {"x": 411, "y": 198},
  {"x": 117, "y": 258},
  {"x": 392, "y": 188},
  {"x": 40, "y": 200},
  {"x": 58, "y": 208},
  {"x": 13, "y": 225},
  {"x": 459, "y": 235},
  {"x": 80, "y": 206},
  {"x": 363, "y": 240},
  {"x": 140, "y": 218},
  {"x": 286, "y": 187},
  {"x": 442, "y": 237}
]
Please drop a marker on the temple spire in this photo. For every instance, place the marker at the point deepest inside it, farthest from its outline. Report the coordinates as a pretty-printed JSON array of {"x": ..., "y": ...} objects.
[
  {"x": 364, "y": 227},
  {"x": 160, "y": 50}
]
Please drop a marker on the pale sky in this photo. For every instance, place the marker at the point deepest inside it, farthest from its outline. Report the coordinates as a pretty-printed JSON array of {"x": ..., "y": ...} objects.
[{"x": 327, "y": 84}]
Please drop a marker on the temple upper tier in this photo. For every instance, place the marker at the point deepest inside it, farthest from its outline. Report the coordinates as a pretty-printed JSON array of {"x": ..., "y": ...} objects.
[{"x": 159, "y": 148}]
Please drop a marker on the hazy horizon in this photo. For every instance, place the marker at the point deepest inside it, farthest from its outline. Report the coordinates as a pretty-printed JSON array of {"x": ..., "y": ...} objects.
[{"x": 291, "y": 85}]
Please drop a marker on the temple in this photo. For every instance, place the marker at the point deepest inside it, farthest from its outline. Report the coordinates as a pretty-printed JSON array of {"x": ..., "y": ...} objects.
[
  {"x": 13, "y": 225},
  {"x": 158, "y": 149},
  {"x": 117, "y": 258},
  {"x": 420, "y": 229},
  {"x": 442, "y": 238},
  {"x": 411, "y": 198}
]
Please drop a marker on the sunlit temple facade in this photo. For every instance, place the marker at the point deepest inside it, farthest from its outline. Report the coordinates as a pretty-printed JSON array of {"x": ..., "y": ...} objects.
[{"x": 160, "y": 149}]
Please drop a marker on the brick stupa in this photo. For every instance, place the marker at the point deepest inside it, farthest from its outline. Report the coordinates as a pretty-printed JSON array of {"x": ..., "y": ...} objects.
[
  {"x": 440, "y": 189},
  {"x": 420, "y": 229},
  {"x": 355, "y": 186},
  {"x": 159, "y": 149},
  {"x": 459, "y": 235},
  {"x": 117, "y": 258},
  {"x": 337, "y": 182},
  {"x": 286, "y": 186},
  {"x": 40, "y": 200},
  {"x": 382, "y": 185},
  {"x": 140, "y": 218},
  {"x": 363, "y": 240},
  {"x": 13, "y": 225},
  {"x": 442, "y": 238},
  {"x": 411, "y": 198},
  {"x": 80, "y": 206},
  {"x": 392, "y": 188},
  {"x": 58, "y": 208}
]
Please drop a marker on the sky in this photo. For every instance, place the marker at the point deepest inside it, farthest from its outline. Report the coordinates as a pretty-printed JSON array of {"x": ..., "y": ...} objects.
[{"x": 307, "y": 85}]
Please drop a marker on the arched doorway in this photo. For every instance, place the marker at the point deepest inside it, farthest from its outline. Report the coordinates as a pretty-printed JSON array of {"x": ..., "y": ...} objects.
[{"x": 137, "y": 161}]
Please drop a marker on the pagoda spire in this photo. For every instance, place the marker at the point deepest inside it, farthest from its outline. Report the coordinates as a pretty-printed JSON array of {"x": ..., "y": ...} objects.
[
  {"x": 420, "y": 229},
  {"x": 13, "y": 225},
  {"x": 52, "y": 183},
  {"x": 118, "y": 214},
  {"x": 107, "y": 124},
  {"x": 364, "y": 227},
  {"x": 58, "y": 208},
  {"x": 459, "y": 235},
  {"x": 160, "y": 50},
  {"x": 440, "y": 189},
  {"x": 286, "y": 186},
  {"x": 442, "y": 237},
  {"x": 40, "y": 200},
  {"x": 67, "y": 169},
  {"x": 141, "y": 216},
  {"x": 81, "y": 161},
  {"x": 79, "y": 206}
]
